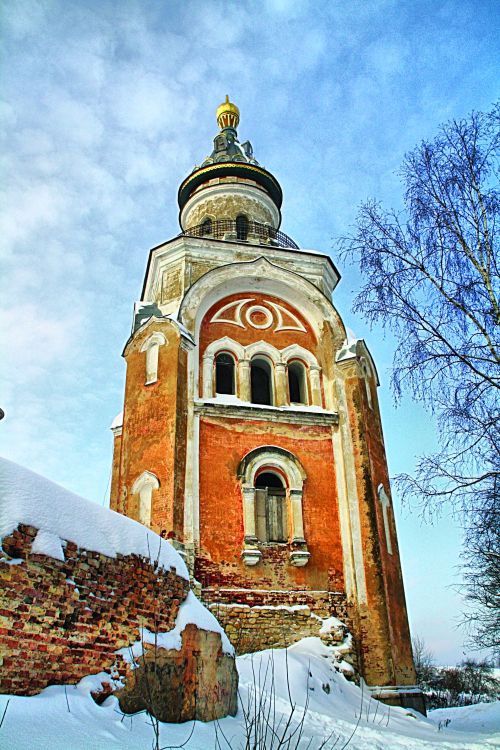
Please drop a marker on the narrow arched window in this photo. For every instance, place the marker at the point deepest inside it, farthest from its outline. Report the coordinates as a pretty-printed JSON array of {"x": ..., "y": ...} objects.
[
  {"x": 297, "y": 383},
  {"x": 271, "y": 508},
  {"x": 224, "y": 374},
  {"x": 241, "y": 227},
  {"x": 206, "y": 227},
  {"x": 261, "y": 381}
]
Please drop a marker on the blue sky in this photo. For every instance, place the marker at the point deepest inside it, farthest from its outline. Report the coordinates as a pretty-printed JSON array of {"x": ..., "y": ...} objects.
[{"x": 106, "y": 106}]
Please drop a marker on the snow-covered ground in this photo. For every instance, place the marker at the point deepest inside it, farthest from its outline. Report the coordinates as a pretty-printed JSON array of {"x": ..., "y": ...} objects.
[{"x": 68, "y": 719}]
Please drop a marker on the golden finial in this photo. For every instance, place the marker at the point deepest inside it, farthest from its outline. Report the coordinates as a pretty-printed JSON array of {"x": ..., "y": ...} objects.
[{"x": 228, "y": 115}]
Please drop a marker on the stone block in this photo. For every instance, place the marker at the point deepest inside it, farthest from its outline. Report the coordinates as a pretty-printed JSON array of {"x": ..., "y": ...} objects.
[{"x": 198, "y": 682}]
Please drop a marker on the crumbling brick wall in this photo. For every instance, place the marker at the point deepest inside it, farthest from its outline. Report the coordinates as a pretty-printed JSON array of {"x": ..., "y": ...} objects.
[{"x": 63, "y": 619}]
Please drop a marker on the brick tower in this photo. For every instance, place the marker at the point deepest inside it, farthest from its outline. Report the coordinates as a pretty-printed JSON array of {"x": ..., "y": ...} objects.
[{"x": 251, "y": 432}]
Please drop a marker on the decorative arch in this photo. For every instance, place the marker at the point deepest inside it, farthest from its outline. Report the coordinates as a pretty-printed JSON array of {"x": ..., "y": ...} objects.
[
  {"x": 226, "y": 344},
  {"x": 259, "y": 276},
  {"x": 264, "y": 348},
  {"x": 275, "y": 458},
  {"x": 294, "y": 351},
  {"x": 151, "y": 346},
  {"x": 272, "y": 458},
  {"x": 144, "y": 486}
]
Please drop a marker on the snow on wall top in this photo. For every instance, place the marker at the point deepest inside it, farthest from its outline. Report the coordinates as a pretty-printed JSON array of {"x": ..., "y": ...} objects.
[
  {"x": 28, "y": 498},
  {"x": 192, "y": 612}
]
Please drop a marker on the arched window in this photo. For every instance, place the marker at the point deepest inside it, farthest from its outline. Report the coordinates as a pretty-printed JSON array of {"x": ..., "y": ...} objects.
[
  {"x": 297, "y": 383},
  {"x": 241, "y": 227},
  {"x": 270, "y": 506},
  {"x": 271, "y": 513},
  {"x": 261, "y": 381},
  {"x": 224, "y": 373},
  {"x": 206, "y": 227}
]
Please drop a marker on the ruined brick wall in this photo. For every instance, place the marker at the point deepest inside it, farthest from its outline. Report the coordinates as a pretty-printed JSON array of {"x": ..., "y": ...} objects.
[
  {"x": 258, "y": 619},
  {"x": 63, "y": 619}
]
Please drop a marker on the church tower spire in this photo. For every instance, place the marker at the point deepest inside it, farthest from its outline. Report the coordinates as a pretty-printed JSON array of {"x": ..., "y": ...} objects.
[{"x": 230, "y": 184}]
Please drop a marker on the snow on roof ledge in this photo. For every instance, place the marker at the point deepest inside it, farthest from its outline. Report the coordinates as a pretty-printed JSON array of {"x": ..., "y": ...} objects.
[
  {"x": 28, "y": 498},
  {"x": 117, "y": 421}
]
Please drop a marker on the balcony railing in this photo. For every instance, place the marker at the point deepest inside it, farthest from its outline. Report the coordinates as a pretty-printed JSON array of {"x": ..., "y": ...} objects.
[{"x": 236, "y": 231}]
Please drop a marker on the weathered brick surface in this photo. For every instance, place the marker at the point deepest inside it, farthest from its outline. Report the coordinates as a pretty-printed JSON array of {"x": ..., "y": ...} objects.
[
  {"x": 221, "y": 507},
  {"x": 258, "y": 619},
  {"x": 382, "y": 624},
  {"x": 62, "y": 620},
  {"x": 154, "y": 427}
]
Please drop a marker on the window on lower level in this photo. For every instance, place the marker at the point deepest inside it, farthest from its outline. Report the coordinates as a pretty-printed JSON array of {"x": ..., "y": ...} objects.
[
  {"x": 224, "y": 374},
  {"x": 271, "y": 508}
]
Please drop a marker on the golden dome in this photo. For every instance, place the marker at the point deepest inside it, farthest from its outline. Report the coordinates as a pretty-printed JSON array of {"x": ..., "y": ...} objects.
[{"x": 228, "y": 115}]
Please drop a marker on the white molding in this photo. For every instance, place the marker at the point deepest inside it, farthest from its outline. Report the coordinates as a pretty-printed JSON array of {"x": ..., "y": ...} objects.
[
  {"x": 156, "y": 338},
  {"x": 257, "y": 276},
  {"x": 236, "y": 321},
  {"x": 356, "y": 349},
  {"x": 312, "y": 267},
  {"x": 225, "y": 344},
  {"x": 350, "y": 521},
  {"x": 192, "y": 471},
  {"x": 295, "y": 350},
  {"x": 263, "y": 348}
]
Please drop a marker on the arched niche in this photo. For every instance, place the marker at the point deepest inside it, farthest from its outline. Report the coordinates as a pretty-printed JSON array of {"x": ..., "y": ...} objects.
[
  {"x": 144, "y": 486},
  {"x": 151, "y": 346}
]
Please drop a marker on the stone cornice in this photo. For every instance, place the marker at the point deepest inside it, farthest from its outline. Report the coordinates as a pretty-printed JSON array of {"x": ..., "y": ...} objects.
[
  {"x": 224, "y": 252},
  {"x": 256, "y": 412}
]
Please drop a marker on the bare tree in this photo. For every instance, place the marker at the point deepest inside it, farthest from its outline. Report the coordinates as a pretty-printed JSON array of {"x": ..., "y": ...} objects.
[
  {"x": 481, "y": 572},
  {"x": 431, "y": 275},
  {"x": 424, "y": 661}
]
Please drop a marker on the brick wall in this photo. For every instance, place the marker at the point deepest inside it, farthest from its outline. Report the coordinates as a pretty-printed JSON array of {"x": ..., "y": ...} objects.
[
  {"x": 259, "y": 619},
  {"x": 62, "y": 620}
]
